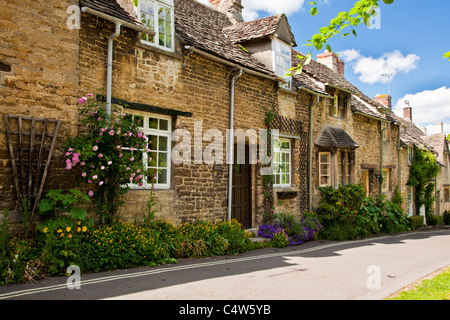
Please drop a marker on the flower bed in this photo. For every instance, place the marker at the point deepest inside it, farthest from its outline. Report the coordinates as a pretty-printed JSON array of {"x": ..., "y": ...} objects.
[{"x": 296, "y": 232}]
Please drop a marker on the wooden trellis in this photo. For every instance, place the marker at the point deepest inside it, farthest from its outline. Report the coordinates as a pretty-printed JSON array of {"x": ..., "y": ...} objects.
[{"x": 31, "y": 142}]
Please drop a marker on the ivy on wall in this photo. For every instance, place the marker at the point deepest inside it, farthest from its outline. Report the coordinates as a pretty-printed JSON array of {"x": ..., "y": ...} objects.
[{"x": 422, "y": 175}]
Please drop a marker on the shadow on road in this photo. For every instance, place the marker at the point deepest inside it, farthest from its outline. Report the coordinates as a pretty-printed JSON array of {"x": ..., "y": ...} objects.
[{"x": 117, "y": 283}]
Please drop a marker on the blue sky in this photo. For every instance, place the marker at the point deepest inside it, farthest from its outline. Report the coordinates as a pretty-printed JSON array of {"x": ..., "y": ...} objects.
[{"x": 412, "y": 37}]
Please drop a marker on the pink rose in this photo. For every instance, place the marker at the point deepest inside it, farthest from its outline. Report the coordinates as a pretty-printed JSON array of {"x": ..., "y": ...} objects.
[
  {"x": 95, "y": 148},
  {"x": 84, "y": 174},
  {"x": 102, "y": 168},
  {"x": 95, "y": 177},
  {"x": 100, "y": 155},
  {"x": 82, "y": 100},
  {"x": 109, "y": 163},
  {"x": 100, "y": 183},
  {"x": 91, "y": 193}
]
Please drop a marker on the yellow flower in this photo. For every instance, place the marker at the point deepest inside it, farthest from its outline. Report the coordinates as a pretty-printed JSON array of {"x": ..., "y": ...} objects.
[
  {"x": 70, "y": 236},
  {"x": 78, "y": 229},
  {"x": 62, "y": 235},
  {"x": 84, "y": 229},
  {"x": 59, "y": 230},
  {"x": 45, "y": 230},
  {"x": 68, "y": 229}
]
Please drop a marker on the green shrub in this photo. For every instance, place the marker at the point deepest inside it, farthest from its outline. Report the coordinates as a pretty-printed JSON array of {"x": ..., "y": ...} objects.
[
  {"x": 120, "y": 245},
  {"x": 447, "y": 218},
  {"x": 280, "y": 239},
  {"x": 63, "y": 240},
  {"x": 238, "y": 238},
  {"x": 416, "y": 221},
  {"x": 434, "y": 220},
  {"x": 346, "y": 213}
]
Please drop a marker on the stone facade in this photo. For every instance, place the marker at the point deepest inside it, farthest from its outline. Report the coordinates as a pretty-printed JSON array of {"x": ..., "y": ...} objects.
[
  {"x": 45, "y": 66},
  {"x": 40, "y": 78}
]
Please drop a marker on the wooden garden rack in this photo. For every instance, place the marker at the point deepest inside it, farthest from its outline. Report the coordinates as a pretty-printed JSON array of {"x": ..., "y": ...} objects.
[{"x": 31, "y": 158}]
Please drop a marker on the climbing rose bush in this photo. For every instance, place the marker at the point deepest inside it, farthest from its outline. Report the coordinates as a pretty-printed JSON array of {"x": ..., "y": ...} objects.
[{"x": 107, "y": 154}]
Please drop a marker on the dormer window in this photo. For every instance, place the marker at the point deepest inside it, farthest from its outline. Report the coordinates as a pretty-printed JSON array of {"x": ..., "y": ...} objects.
[
  {"x": 338, "y": 108},
  {"x": 157, "y": 15},
  {"x": 282, "y": 61}
]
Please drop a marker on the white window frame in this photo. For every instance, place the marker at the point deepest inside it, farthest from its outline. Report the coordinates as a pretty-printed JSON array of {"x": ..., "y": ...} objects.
[
  {"x": 386, "y": 180},
  {"x": 157, "y": 5},
  {"x": 409, "y": 201},
  {"x": 145, "y": 157},
  {"x": 285, "y": 58},
  {"x": 328, "y": 173},
  {"x": 410, "y": 155},
  {"x": 280, "y": 154},
  {"x": 344, "y": 168}
]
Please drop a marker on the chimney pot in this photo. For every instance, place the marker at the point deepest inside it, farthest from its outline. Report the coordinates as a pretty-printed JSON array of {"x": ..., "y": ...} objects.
[
  {"x": 439, "y": 127},
  {"x": 331, "y": 60},
  {"x": 407, "y": 113},
  {"x": 232, "y": 8},
  {"x": 384, "y": 99}
]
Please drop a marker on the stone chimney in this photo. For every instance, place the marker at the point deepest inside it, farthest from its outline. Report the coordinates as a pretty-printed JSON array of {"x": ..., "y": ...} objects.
[
  {"x": 424, "y": 130},
  {"x": 232, "y": 8},
  {"x": 407, "y": 113},
  {"x": 384, "y": 99},
  {"x": 331, "y": 60},
  {"x": 439, "y": 128}
]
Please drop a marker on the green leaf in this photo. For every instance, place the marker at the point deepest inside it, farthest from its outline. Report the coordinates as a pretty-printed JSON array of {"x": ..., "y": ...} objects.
[
  {"x": 308, "y": 59},
  {"x": 329, "y": 48},
  {"x": 299, "y": 70},
  {"x": 45, "y": 206},
  {"x": 447, "y": 55},
  {"x": 388, "y": 1},
  {"x": 314, "y": 11},
  {"x": 78, "y": 213}
]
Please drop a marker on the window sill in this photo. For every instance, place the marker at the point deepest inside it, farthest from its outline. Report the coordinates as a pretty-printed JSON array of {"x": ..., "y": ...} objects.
[
  {"x": 287, "y": 194},
  {"x": 172, "y": 54}
]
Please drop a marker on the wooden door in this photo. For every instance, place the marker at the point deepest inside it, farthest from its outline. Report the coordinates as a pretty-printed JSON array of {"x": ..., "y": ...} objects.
[{"x": 241, "y": 204}]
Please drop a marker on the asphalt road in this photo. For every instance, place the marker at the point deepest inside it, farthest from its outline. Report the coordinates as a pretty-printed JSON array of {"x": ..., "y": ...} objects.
[{"x": 369, "y": 269}]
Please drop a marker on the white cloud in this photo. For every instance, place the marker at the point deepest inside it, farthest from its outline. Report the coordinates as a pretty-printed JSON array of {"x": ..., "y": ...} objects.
[
  {"x": 350, "y": 55},
  {"x": 428, "y": 107},
  {"x": 372, "y": 70},
  {"x": 254, "y": 8}
]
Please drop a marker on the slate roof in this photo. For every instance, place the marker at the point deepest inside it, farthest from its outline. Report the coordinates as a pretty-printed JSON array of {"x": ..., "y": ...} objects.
[
  {"x": 410, "y": 134},
  {"x": 121, "y": 9},
  {"x": 316, "y": 75},
  {"x": 197, "y": 25},
  {"x": 201, "y": 26},
  {"x": 335, "y": 137},
  {"x": 254, "y": 30}
]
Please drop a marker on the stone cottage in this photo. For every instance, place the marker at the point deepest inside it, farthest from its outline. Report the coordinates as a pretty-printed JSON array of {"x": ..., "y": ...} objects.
[
  {"x": 202, "y": 69},
  {"x": 352, "y": 138},
  {"x": 182, "y": 66}
]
